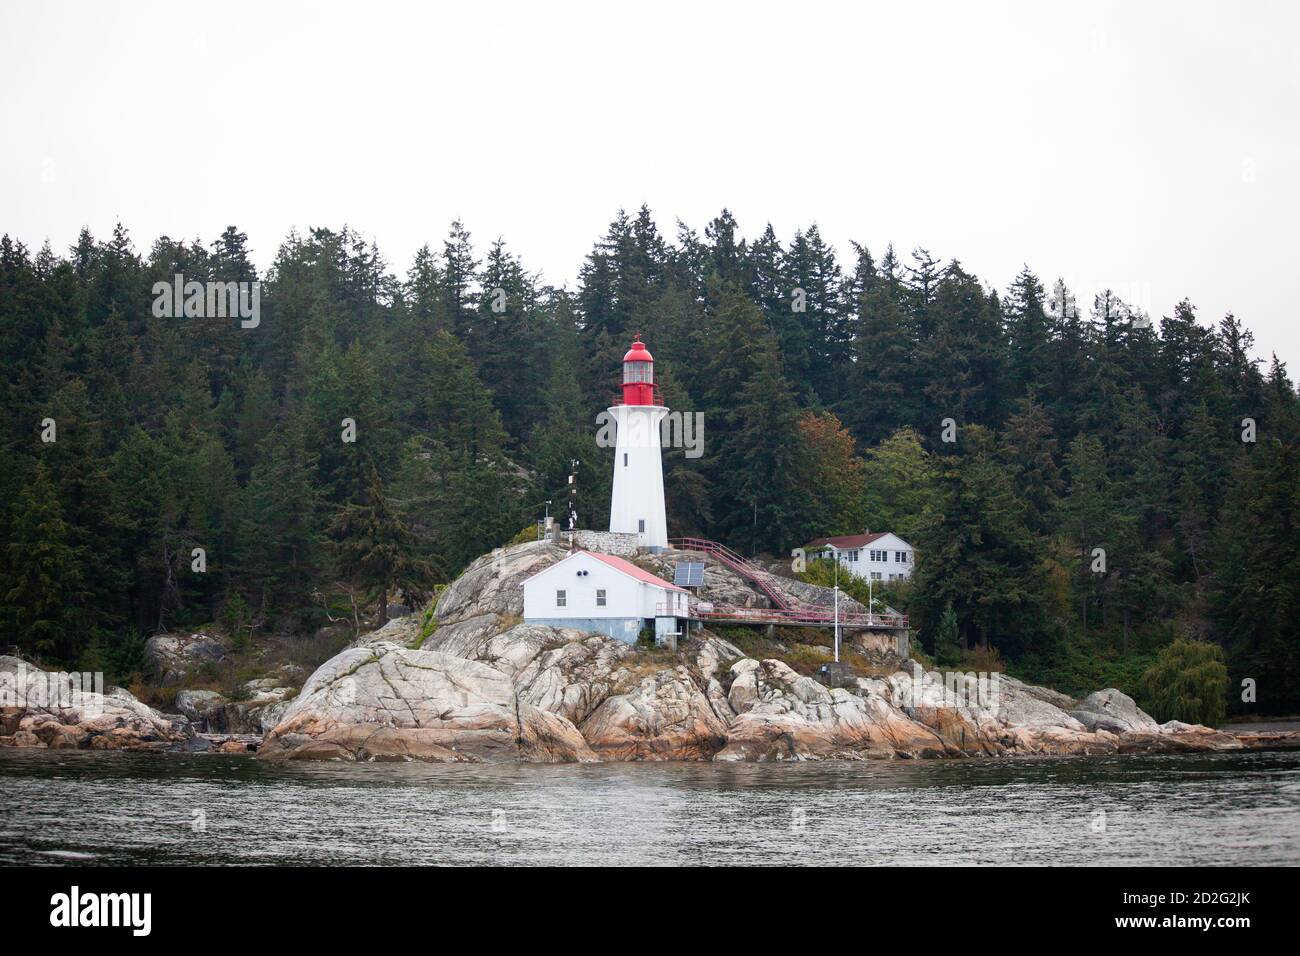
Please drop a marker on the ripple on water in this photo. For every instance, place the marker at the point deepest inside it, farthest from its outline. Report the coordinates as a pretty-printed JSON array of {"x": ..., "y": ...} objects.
[{"x": 195, "y": 808}]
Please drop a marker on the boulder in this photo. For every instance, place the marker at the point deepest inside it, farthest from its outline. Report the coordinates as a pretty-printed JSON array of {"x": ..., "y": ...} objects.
[
  {"x": 389, "y": 702},
  {"x": 200, "y": 706},
  {"x": 402, "y": 630},
  {"x": 1112, "y": 710},
  {"x": 172, "y": 657}
]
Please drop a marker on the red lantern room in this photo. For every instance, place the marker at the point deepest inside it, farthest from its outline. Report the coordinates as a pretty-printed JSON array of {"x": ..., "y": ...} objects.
[{"x": 638, "y": 375}]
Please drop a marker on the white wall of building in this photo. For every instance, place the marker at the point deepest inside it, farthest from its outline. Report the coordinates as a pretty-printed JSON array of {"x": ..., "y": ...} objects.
[
  {"x": 899, "y": 559},
  {"x": 582, "y": 577}
]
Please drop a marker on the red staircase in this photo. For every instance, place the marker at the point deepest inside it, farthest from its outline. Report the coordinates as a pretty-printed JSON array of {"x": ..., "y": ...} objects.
[
  {"x": 747, "y": 569},
  {"x": 785, "y": 609}
]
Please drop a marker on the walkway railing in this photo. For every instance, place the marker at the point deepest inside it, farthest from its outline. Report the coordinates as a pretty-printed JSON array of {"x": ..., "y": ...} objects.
[
  {"x": 786, "y": 609},
  {"x": 806, "y": 615}
]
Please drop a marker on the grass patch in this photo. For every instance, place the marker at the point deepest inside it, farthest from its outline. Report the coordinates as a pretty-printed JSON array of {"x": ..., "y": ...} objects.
[{"x": 428, "y": 625}]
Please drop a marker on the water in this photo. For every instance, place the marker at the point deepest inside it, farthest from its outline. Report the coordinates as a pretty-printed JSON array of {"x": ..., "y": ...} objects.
[{"x": 117, "y": 808}]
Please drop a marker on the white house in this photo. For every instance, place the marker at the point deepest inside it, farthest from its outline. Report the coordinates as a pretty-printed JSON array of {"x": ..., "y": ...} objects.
[
  {"x": 605, "y": 593},
  {"x": 879, "y": 556}
]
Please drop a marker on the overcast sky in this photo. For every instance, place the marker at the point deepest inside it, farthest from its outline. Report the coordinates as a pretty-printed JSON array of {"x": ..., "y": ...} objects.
[{"x": 1152, "y": 147}]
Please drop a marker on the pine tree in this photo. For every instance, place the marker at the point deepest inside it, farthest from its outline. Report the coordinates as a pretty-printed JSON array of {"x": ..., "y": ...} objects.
[
  {"x": 45, "y": 604},
  {"x": 373, "y": 548},
  {"x": 1088, "y": 513},
  {"x": 976, "y": 553}
]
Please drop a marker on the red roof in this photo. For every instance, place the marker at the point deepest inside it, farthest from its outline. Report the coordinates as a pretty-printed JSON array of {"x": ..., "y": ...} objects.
[
  {"x": 849, "y": 540},
  {"x": 638, "y": 352},
  {"x": 627, "y": 567}
]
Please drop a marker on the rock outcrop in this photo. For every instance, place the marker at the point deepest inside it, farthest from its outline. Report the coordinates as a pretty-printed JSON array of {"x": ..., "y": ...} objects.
[
  {"x": 400, "y": 630},
  {"x": 482, "y": 686},
  {"x": 781, "y": 715},
  {"x": 1176, "y": 737},
  {"x": 389, "y": 702},
  {"x": 721, "y": 584},
  {"x": 665, "y": 716},
  {"x": 493, "y": 583},
  {"x": 262, "y": 704},
  {"x": 41, "y": 710}
]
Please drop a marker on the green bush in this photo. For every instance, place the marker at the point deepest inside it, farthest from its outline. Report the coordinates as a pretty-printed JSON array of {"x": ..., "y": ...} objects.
[
  {"x": 1188, "y": 682},
  {"x": 947, "y": 647},
  {"x": 527, "y": 533}
]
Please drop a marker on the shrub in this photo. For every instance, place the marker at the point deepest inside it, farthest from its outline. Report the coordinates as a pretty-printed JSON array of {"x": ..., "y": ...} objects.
[
  {"x": 982, "y": 660},
  {"x": 428, "y": 625},
  {"x": 527, "y": 533},
  {"x": 234, "y": 618},
  {"x": 1187, "y": 682}
]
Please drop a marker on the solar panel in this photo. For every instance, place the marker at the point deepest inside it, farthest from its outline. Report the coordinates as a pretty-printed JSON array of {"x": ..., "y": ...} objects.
[{"x": 689, "y": 574}]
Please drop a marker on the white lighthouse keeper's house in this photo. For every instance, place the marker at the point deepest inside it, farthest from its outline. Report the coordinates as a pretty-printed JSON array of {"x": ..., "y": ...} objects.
[
  {"x": 605, "y": 593},
  {"x": 637, "y": 503}
]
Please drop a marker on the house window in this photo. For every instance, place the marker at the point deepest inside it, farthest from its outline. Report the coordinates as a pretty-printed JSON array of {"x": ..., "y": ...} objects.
[
  {"x": 561, "y": 598},
  {"x": 875, "y": 575},
  {"x": 600, "y": 597},
  {"x": 624, "y": 459},
  {"x": 879, "y": 555},
  {"x": 640, "y": 525},
  {"x": 853, "y": 555},
  {"x": 900, "y": 557}
]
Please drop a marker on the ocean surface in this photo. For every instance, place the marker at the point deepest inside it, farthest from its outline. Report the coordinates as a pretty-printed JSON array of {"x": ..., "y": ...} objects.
[{"x": 121, "y": 808}]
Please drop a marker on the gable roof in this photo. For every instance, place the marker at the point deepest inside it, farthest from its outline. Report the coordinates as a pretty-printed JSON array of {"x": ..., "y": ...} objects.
[
  {"x": 851, "y": 540},
  {"x": 627, "y": 567},
  {"x": 618, "y": 564}
]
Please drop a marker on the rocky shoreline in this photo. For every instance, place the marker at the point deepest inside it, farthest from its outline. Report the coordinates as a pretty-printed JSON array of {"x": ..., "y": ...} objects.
[{"x": 484, "y": 687}]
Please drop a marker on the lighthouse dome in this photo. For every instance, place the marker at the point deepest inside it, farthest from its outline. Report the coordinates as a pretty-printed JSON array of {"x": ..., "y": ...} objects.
[{"x": 638, "y": 353}]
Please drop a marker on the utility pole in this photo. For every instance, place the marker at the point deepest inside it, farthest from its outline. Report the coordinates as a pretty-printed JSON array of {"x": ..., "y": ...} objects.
[{"x": 836, "y": 557}]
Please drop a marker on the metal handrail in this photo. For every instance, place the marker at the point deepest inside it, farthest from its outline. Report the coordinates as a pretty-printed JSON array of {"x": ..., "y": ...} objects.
[
  {"x": 803, "y": 615},
  {"x": 743, "y": 566}
]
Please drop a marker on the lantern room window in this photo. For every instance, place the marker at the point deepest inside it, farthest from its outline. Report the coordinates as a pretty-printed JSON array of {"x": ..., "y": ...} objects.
[{"x": 637, "y": 373}]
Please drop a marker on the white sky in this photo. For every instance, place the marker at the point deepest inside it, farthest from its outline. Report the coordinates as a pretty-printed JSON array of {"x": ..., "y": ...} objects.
[{"x": 1152, "y": 147}]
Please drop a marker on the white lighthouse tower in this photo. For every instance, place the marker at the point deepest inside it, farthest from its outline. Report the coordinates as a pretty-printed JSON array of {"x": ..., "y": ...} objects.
[{"x": 637, "y": 504}]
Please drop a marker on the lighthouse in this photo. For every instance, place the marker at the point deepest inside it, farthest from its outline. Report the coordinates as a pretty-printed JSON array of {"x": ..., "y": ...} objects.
[{"x": 637, "y": 503}]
